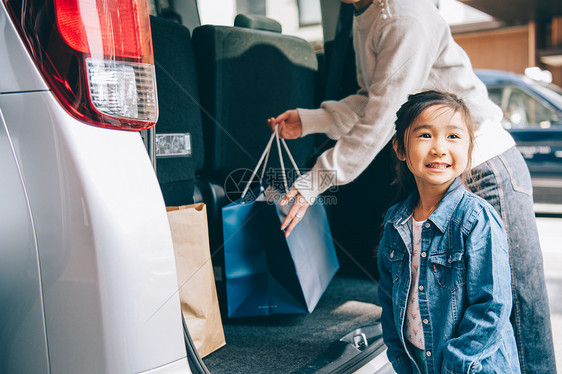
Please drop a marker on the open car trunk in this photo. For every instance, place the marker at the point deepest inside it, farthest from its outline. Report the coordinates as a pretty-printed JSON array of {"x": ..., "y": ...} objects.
[
  {"x": 215, "y": 89},
  {"x": 304, "y": 343}
]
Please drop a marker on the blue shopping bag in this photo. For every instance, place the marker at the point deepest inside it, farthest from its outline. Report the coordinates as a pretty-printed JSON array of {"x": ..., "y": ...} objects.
[{"x": 269, "y": 274}]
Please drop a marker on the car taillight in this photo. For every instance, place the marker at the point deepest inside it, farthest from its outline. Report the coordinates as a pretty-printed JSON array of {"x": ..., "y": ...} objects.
[{"x": 96, "y": 56}]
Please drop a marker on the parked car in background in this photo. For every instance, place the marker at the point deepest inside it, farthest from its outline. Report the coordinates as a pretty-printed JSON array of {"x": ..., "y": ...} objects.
[{"x": 533, "y": 115}]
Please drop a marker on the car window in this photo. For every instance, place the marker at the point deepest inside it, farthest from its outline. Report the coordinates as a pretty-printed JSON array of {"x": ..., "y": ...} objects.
[
  {"x": 552, "y": 92},
  {"x": 521, "y": 109},
  {"x": 300, "y": 18},
  {"x": 495, "y": 94}
]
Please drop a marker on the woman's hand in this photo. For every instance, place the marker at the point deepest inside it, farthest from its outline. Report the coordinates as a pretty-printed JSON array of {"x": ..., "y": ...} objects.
[
  {"x": 290, "y": 125},
  {"x": 296, "y": 212}
]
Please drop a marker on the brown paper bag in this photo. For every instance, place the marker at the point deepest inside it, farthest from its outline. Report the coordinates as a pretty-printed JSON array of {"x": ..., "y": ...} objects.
[{"x": 196, "y": 283}]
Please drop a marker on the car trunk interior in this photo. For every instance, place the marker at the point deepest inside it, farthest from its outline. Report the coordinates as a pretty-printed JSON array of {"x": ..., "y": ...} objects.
[
  {"x": 213, "y": 85},
  {"x": 297, "y": 343}
]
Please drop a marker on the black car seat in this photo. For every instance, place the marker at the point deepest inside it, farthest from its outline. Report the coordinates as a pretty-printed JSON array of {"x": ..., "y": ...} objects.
[
  {"x": 246, "y": 76},
  {"x": 179, "y": 133}
]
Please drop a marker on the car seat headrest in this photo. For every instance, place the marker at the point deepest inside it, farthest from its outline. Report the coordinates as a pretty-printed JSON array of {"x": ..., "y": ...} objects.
[{"x": 257, "y": 22}]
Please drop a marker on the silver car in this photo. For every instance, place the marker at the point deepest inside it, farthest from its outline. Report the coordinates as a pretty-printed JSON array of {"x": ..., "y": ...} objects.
[{"x": 87, "y": 273}]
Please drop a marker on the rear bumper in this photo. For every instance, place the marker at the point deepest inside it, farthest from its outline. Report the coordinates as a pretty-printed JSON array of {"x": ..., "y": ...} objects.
[{"x": 177, "y": 367}]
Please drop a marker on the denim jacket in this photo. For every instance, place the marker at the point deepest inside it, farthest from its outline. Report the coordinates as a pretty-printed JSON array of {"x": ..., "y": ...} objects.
[{"x": 464, "y": 286}]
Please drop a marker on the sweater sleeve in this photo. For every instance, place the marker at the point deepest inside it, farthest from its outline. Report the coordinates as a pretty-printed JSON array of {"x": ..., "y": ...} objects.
[
  {"x": 404, "y": 53},
  {"x": 336, "y": 118}
]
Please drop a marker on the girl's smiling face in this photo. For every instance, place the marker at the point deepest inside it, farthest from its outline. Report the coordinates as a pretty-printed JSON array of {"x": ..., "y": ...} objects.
[{"x": 437, "y": 144}]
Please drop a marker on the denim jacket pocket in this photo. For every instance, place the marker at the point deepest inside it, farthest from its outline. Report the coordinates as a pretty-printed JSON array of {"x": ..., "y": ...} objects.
[
  {"x": 396, "y": 260},
  {"x": 449, "y": 269}
]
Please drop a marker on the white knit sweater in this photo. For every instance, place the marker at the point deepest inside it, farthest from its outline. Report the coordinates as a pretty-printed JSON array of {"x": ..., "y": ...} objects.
[{"x": 409, "y": 50}]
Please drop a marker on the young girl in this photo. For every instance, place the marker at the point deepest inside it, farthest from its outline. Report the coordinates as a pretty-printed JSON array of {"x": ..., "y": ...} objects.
[{"x": 445, "y": 285}]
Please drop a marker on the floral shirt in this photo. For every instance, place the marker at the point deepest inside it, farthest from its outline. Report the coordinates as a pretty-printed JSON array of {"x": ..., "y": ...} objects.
[{"x": 414, "y": 329}]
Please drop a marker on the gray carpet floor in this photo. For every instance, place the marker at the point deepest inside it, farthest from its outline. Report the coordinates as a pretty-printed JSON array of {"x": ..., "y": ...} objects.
[{"x": 283, "y": 344}]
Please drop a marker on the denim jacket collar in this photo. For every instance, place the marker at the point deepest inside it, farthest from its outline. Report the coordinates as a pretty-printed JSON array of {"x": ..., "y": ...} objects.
[{"x": 441, "y": 216}]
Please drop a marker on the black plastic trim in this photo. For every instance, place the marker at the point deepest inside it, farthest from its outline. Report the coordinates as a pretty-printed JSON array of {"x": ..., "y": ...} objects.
[
  {"x": 360, "y": 360},
  {"x": 196, "y": 364}
]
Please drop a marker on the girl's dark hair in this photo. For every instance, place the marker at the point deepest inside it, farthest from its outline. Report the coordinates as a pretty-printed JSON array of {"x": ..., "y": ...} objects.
[{"x": 407, "y": 115}]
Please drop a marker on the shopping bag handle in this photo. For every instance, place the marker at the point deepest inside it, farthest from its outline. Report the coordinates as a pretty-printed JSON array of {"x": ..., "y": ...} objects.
[{"x": 265, "y": 156}]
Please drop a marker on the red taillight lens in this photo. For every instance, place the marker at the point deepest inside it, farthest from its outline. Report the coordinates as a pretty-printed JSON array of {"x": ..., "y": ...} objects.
[
  {"x": 116, "y": 25},
  {"x": 96, "y": 55}
]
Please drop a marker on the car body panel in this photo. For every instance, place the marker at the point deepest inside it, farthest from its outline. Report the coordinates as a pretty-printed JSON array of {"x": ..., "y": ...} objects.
[
  {"x": 23, "y": 75},
  {"x": 380, "y": 365},
  {"x": 542, "y": 149},
  {"x": 22, "y": 332},
  {"x": 177, "y": 367},
  {"x": 108, "y": 272}
]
